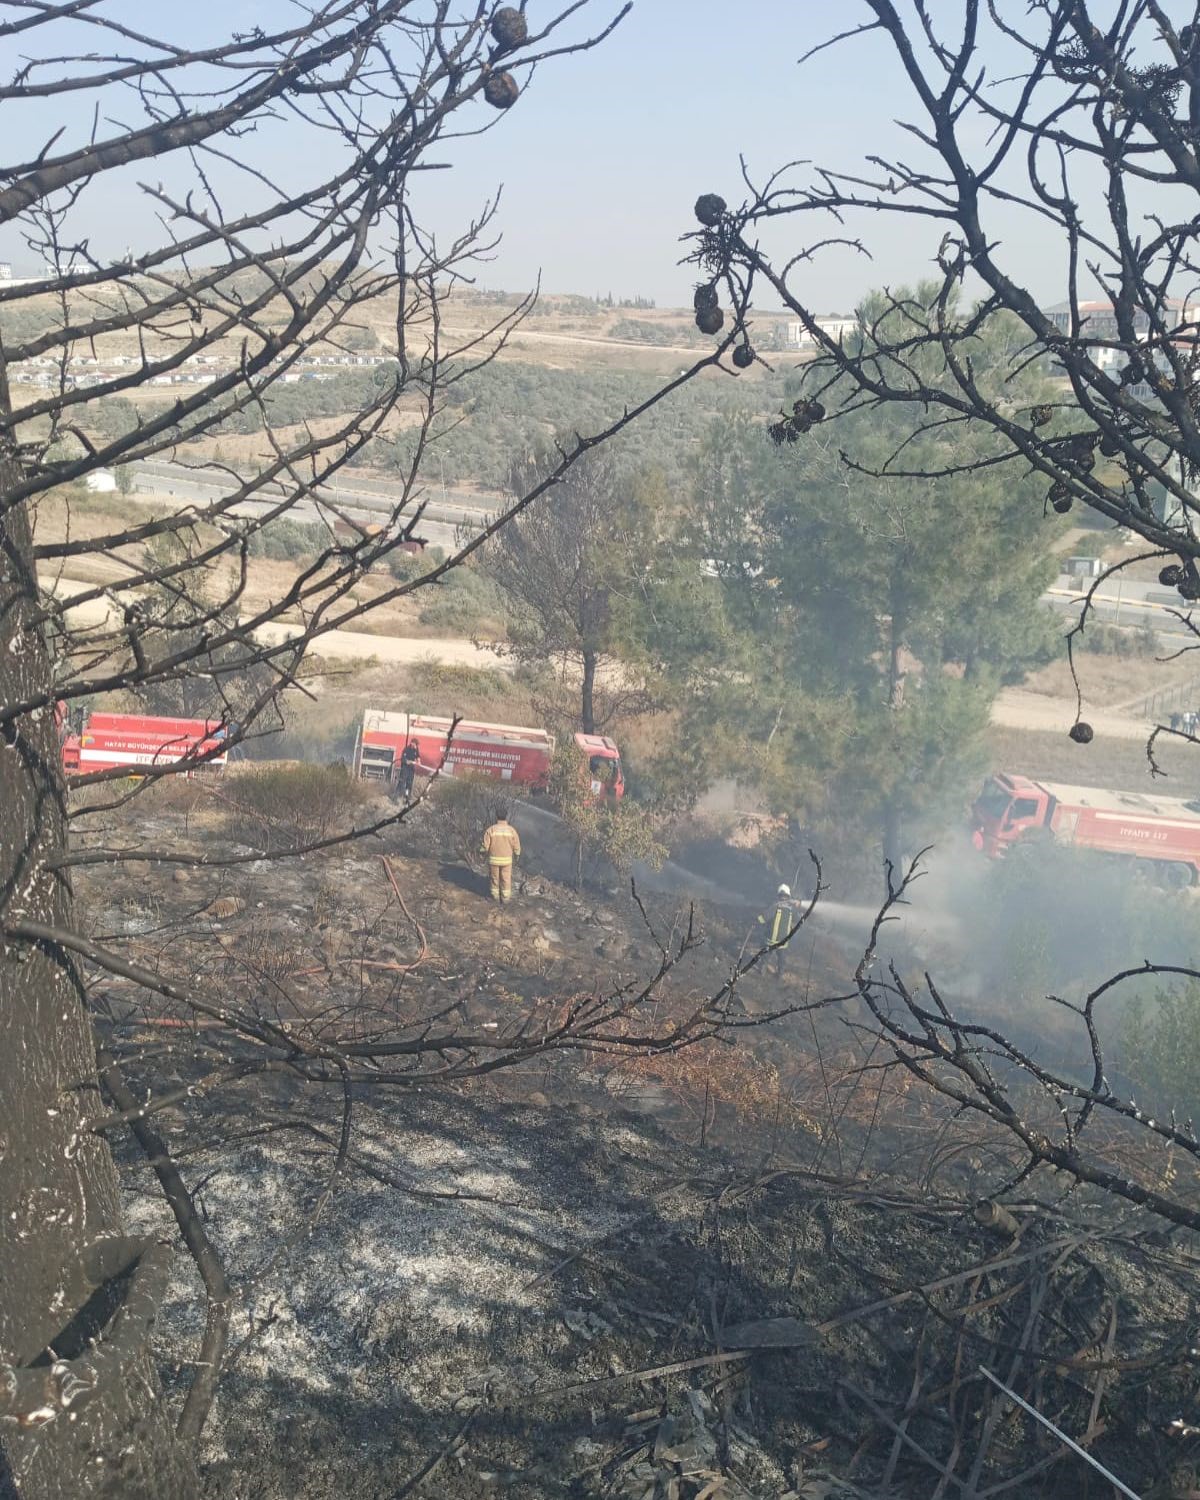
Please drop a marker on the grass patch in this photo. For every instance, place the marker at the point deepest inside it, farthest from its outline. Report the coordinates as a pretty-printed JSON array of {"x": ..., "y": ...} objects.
[
  {"x": 1120, "y": 764},
  {"x": 440, "y": 687}
]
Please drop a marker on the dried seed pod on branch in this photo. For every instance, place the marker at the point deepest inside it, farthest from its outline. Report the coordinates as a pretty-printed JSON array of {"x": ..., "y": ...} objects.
[
  {"x": 709, "y": 209},
  {"x": 705, "y": 297},
  {"x": 509, "y": 28},
  {"x": 1060, "y": 497},
  {"x": 710, "y": 320},
  {"x": 501, "y": 90}
]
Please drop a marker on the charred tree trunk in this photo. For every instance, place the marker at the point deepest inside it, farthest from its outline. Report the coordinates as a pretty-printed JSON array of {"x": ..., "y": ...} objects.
[
  {"x": 58, "y": 1184},
  {"x": 893, "y": 836},
  {"x": 588, "y": 701},
  {"x": 893, "y": 831}
]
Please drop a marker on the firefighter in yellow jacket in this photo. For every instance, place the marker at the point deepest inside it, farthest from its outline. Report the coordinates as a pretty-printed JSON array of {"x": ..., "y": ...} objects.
[
  {"x": 782, "y": 920},
  {"x": 502, "y": 845}
]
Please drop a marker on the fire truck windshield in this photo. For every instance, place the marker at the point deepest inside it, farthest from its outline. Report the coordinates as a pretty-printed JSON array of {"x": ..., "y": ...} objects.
[{"x": 993, "y": 802}]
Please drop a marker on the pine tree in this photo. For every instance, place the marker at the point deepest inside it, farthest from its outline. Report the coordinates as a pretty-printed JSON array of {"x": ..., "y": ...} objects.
[{"x": 878, "y": 613}]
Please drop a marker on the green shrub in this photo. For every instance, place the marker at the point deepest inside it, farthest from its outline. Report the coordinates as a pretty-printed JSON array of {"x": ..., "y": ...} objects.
[
  {"x": 286, "y": 540},
  {"x": 405, "y": 566},
  {"x": 619, "y": 834},
  {"x": 440, "y": 687},
  {"x": 286, "y": 405},
  {"x": 639, "y": 331},
  {"x": 668, "y": 777},
  {"x": 461, "y": 807},
  {"x": 512, "y": 407},
  {"x": 464, "y": 602},
  {"x": 1113, "y": 640},
  {"x": 281, "y": 806},
  {"x": 1161, "y": 1049},
  {"x": 112, "y": 416}
]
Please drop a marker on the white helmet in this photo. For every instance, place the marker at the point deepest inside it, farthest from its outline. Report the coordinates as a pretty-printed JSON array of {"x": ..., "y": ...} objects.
[{"x": 784, "y": 890}]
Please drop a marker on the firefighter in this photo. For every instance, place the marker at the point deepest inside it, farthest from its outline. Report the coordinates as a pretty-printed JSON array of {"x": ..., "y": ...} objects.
[
  {"x": 601, "y": 771},
  {"x": 782, "y": 918},
  {"x": 409, "y": 759},
  {"x": 502, "y": 845}
]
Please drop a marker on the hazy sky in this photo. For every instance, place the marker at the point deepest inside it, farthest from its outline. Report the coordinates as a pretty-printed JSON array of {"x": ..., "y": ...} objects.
[
  {"x": 603, "y": 160},
  {"x": 604, "y": 155}
]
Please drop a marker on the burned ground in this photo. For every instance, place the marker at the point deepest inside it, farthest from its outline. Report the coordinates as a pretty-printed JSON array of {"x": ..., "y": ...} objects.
[
  {"x": 506, "y": 1326},
  {"x": 493, "y": 1278}
]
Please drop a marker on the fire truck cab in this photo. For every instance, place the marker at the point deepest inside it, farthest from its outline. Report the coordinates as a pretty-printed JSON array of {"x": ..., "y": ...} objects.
[
  {"x": 1163, "y": 833},
  {"x": 1008, "y": 808}
]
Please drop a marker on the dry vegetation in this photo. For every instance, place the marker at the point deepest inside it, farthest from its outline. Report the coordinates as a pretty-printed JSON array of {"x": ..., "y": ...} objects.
[
  {"x": 561, "y": 331},
  {"x": 1116, "y": 683},
  {"x": 1111, "y": 762},
  {"x": 267, "y": 579}
]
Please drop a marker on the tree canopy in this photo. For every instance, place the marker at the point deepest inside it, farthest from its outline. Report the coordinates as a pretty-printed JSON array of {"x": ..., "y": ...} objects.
[
  {"x": 594, "y": 584},
  {"x": 874, "y": 616}
]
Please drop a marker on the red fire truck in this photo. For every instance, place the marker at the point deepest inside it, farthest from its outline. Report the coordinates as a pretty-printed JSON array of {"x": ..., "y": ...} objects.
[
  {"x": 504, "y": 752},
  {"x": 1161, "y": 830},
  {"x": 109, "y": 742}
]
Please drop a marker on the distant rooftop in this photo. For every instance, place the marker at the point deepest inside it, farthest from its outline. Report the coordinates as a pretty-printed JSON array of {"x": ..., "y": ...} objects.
[{"x": 1176, "y": 304}]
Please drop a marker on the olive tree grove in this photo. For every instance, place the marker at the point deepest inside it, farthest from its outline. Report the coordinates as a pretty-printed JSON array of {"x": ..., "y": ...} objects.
[{"x": 270, "y": 179}]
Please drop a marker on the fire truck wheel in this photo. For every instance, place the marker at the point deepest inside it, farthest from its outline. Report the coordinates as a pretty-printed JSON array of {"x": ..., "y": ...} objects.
[{"x": 1176, "y": 874}]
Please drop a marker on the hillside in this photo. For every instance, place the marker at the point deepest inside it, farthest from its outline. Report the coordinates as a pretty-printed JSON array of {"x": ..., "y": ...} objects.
[
  {"x": 596, "y": 1276},
  {"x": 571, "y": 364}
]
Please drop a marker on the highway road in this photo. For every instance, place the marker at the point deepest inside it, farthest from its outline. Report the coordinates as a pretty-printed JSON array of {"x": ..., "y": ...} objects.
[
  {"x": 450, "y": 514},
  {"x": 1124, "y": 602},
  {"x": 365, "y": 501}
]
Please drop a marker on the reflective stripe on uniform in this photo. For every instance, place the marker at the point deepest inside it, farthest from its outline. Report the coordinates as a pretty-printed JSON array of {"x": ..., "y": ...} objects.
[{"x": 500, "y": 859}]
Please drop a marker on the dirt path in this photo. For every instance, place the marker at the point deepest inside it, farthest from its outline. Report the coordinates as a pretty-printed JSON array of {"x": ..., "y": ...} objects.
[
  {"x": 1015, "y": 709},
  {"x": 545, "y": 336},
  {"x": 358, "y": 645},
  {"x": 340, "y": 645}
]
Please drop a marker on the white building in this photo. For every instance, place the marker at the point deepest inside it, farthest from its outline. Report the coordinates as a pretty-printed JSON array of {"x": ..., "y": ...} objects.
[
  {"x": 101, "y": 482},
  {"x": 52, "y": 272},
  {"x": 1097, "y": 324},
  {"x": 797, "y": 335}
]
